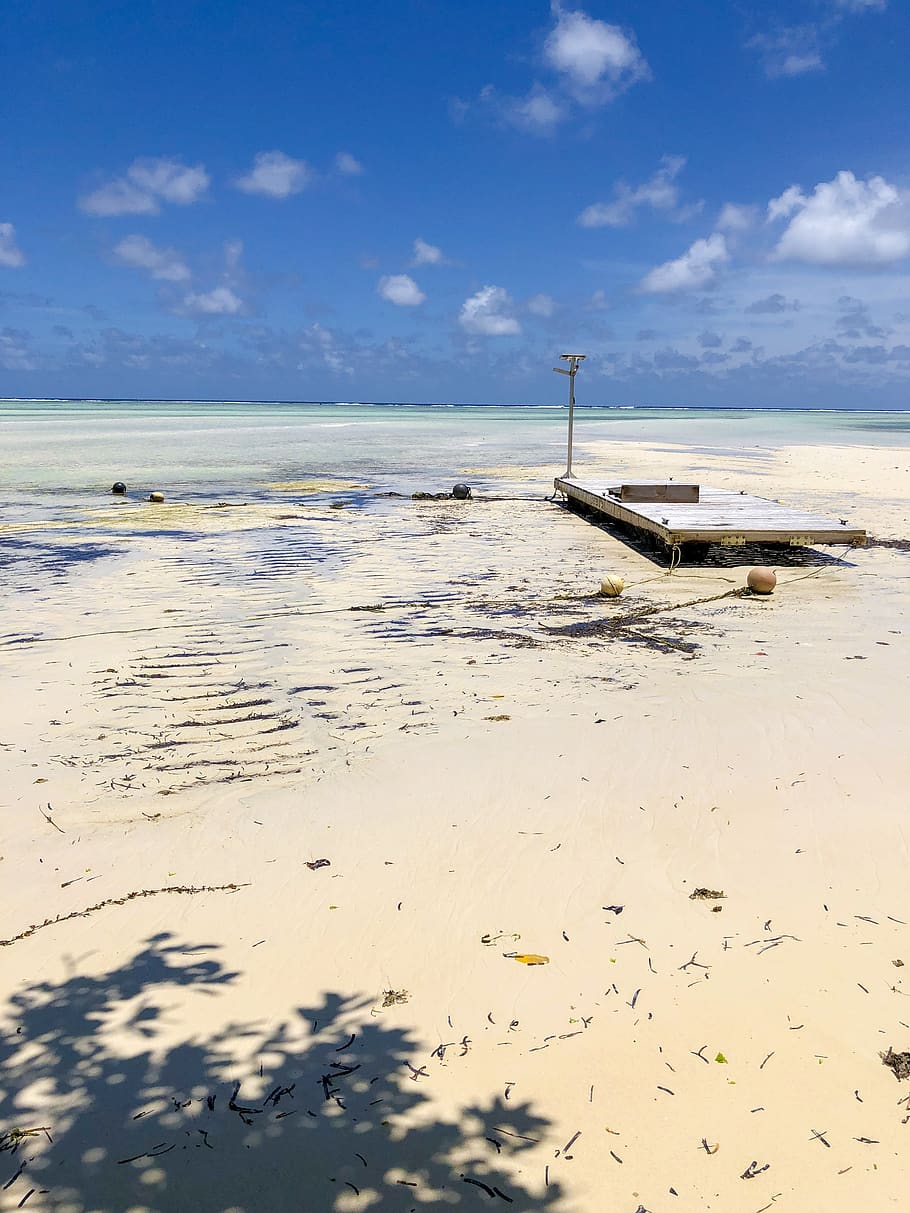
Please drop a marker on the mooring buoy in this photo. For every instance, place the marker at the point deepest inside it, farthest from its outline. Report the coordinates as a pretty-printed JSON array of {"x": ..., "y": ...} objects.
[
  {"x": 761, "y": 580},
  {"x": 611, "y": 586}
]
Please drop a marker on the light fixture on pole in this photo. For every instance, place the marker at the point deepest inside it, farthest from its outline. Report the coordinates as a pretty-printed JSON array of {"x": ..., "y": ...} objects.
[{"x": 573, "y": 361}]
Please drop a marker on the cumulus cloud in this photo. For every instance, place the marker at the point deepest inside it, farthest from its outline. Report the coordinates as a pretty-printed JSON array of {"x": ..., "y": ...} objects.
[
  {"x": 146, "y": 184},
  {"x": 844, "y": 222},
  {"x": 11, "y": 255},
  {"x": 537, "y": 113},
  {"x": 317, "y": 343},
  {"x": 225, "y": 299},
  {"x": 169, "y": 180},
  {"x": 542, "y": 305},
  {"x": 591, "y": 63},
  {"x": 489, "y": 313},
  {"x": 139, "y": 253},
  {"x": 220, "y": 301},
  {"x": 772, "y": 305},
  {"x": 660, "y": 193},
  {"x": 791, "y": 51},
  {"x": 696, "y": 268},
  {"x": 275, "y": 175},
  {"x": 427, "y": 254},
  {"x": 855, "y": 321},
  {"x": 596, "y": 60},
  {"x": 671, "y": 359},
  {"x": 735, "y": 218},
  {"x": 400, "y": 289},
  {"x": 348, "y": 165}
]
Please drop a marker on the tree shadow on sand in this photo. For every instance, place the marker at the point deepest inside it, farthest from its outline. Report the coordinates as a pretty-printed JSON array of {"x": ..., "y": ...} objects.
[{"x": 329, "y": 1111}]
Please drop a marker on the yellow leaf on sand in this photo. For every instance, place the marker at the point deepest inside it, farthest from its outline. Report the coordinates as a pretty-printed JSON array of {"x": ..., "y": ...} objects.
[{"x": 530, "y": 958}]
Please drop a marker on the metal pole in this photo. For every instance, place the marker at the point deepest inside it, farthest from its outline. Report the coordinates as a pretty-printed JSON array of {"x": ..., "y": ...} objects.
[
  {"x": 572, "y": 373},
  {"x": 573, "y": 361}
]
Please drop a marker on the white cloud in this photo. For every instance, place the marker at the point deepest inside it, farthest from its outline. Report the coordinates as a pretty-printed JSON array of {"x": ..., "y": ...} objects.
[
  {"x": 275, "y": 175},
  {"x": 791, "y": 51},
  {"x": 735, "y": 218},
  {"x": 598, "y": 302},
  {"x": 427, "y": 254},
  {"x": 169, "y": 180},
  {"x": 489, "y": 312},
  {"x": 696, "y": 268},
  {"x": 593, "y": 63},
  {"x": 798, "y": 65},
  {"x": 789, "y": 200},
  {"x": 119, "y": 198},
  {"x": 148, "y": 182},
  {"x": 542, "y": 305},
  {"x": 348, "y": 165},
  {"x": 139, "y": 253},
  {"x": 596, "y": 60},
  {"x": 233, "y": 251},
  {"x": 538, "y": 113},
  {"x": 401, "y": 290},
  {"x": 659, "y": 192},
  {"x": 861, "y": 6},
  {"x": 844, "y": 222},
  {"x": 322, "y": 344},
  {"x": 221, "y": 301},
  {"x": 772, "y": 305},
  {"x": 11, "y": 255}
]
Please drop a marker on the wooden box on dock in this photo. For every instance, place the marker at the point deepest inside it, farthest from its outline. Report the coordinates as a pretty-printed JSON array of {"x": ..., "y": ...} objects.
[{"x": 656, "y": 492}]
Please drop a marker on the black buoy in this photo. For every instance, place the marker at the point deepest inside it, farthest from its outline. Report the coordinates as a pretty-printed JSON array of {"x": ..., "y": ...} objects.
[
  {"x": 119, "y": 488},
  {"x": 461, "y": 492}
]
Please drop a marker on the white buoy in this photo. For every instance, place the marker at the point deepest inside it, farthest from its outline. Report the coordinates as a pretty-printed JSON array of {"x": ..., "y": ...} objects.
[
  {"x": 612, "y": 586},
  {"x": 156, "y": 497}
]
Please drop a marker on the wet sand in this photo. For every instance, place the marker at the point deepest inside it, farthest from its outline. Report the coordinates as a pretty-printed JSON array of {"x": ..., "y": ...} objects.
[{"x": 203, "y": 704}]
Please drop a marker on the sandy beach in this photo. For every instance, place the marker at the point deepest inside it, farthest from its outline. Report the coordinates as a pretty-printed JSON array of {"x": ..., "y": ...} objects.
[{"x": 365, "y": 858}]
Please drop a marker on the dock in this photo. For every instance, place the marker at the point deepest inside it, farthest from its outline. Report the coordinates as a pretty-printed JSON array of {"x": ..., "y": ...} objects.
[{"x": 684, "y": 519}]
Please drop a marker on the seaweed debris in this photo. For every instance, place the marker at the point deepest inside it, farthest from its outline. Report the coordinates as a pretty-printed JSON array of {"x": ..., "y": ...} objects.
[{"x": 897, "y": 1063}]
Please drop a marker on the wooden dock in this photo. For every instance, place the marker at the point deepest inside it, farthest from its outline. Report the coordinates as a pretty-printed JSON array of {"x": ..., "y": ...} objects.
[{"x": 685, "y": 519}]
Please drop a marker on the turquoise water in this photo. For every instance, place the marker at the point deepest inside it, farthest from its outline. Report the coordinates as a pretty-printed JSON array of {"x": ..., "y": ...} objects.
[{"x": 210, "y": 450}]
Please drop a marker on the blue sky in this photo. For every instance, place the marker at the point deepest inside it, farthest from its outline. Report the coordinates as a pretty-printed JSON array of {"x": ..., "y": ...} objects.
[{"x": 421, "y": 200}]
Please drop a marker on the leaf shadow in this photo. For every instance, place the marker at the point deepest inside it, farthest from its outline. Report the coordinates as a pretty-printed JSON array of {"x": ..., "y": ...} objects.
[{"x": 330, "y": 1109}]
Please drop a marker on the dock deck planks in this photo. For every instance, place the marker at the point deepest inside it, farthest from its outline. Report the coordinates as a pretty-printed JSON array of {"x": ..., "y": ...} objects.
[{"x": 719, "y": 516}]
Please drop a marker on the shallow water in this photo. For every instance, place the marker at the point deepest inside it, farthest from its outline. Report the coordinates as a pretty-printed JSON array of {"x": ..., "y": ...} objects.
[{"x": 206, "y": 451}]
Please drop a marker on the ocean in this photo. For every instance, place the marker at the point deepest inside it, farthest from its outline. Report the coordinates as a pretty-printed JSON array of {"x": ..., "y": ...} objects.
[{"x": 55, "y": 450}]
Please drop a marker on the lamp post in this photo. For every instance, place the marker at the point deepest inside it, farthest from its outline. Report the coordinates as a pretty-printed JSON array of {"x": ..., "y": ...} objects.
[{"x": 573, "y": 361}]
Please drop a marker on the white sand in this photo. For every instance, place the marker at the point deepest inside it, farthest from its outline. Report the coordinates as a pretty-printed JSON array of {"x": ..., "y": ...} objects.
[{"x": 770, "y": 763}]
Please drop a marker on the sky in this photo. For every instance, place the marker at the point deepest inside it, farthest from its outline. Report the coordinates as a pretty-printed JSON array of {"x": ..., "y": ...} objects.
[{"x": 431, "y": 200}]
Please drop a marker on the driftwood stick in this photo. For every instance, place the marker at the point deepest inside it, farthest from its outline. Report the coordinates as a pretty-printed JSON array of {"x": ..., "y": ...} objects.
[{"x": 50, "y": 820}]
